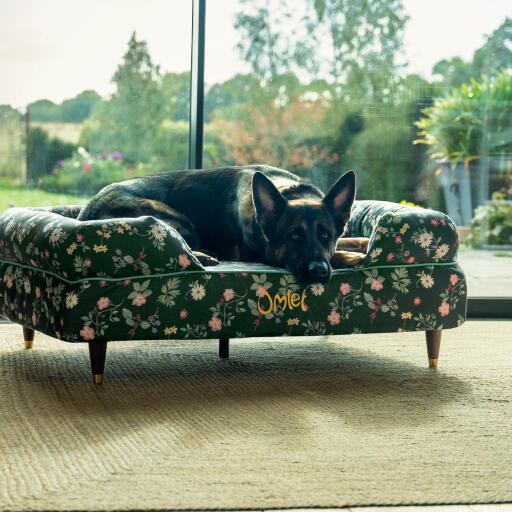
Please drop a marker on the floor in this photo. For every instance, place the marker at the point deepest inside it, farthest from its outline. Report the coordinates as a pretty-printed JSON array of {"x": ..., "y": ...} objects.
[{"x": 507, "y": 507}]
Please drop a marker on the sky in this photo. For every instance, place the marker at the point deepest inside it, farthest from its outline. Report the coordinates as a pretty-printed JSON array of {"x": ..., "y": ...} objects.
[{"x": 55, "y": 49}]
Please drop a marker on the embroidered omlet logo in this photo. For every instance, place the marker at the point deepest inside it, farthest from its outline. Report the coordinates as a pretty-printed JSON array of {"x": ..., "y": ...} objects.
[{"x": 289, "y": 300}]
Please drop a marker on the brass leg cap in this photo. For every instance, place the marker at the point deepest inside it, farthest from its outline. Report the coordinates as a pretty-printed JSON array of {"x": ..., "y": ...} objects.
[
  {"x": 97, "y": 378},
  {"x": 432, "y": 363},
  {"x": 29, "y": 344}
]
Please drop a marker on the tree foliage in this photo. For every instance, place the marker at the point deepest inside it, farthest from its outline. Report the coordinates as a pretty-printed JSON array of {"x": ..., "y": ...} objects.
[
  {"x": 73, "y": 110},
  {"x": 129, "y": 121},
  {"x": 354, "y": 45},
  {"x": 493, "y": 57}
]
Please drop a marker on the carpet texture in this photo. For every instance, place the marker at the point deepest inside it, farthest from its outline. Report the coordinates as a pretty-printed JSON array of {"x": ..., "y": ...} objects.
[{"x": 288, "y": 422}]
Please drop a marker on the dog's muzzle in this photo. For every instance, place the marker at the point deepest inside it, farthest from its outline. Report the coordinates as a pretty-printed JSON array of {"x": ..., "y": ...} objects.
[
  {"x": 318, "y": 270},
  {"x": 314, "y": 272}
]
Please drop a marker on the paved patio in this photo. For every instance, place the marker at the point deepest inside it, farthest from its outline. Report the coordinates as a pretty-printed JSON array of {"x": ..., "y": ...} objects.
[{"x": 487, "y": 274}]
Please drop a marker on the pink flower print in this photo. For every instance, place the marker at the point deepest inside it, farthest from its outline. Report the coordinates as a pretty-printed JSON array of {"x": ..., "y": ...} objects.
[
  {"x": 434, "y": 222},
  {"x": 87, "y": 262},
  {"x": 345, "y": 288},
  {"x": 411, "y": 259},
  {"x": 417, "y": 301},
  {"x": 9, "y": 282},
  {"x": 87, "y": 333},
  {"x": 260, "y": 292},
  {"x": 443, "y": 222},
  {"x": 126, "y": 282},
  {"x": 183, "y": 314},
  {"x": 183, "y": 260},
  {"x": 334, "y": 317},
  {"x": 398, "y": 239},
  {"x": 228, "y": 294},
  {"x": 139, "y": 299},
  {"x": 244, "y": 274},
  {"x": 444, "y": 309},
  {"x": 215, "y": 323},
  {"x": 34, "y": 319},
  {"x": 103, "y": 283},
  {"x": 38, "y": 292},
  {"x": 390, "y": 256},
  {"x": 454, "y": 279},
  {"x": 377, "y": 284},
  {"x": 103, "y": 303}
]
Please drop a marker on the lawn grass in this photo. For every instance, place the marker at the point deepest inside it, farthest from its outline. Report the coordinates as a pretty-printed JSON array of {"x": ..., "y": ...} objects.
[{"x": 12, "y": 194}]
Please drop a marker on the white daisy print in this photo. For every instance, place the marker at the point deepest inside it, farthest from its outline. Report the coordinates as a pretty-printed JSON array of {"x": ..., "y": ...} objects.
[
  {"x": 57, "y": 236},
  {"x": 317, "y": 289},
  {"x": 425, "y": 239},
  {"x": 197, "y": 291},
  {"x": 375, "y": 253},
  {"x": 427, "y": 281},
  {"x": 441, "y": 251},
  {"x": 71, "y": 300},
  {"x": 158, "y": 232}
]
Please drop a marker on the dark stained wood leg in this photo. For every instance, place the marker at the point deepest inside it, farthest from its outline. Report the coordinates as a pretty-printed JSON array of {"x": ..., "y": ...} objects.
[
  {"x": 97, "y": 354},
  {"x": 433, "y": 345},
  {"x": 28, "y": 336},
  {"x": 224, "y": 348}
]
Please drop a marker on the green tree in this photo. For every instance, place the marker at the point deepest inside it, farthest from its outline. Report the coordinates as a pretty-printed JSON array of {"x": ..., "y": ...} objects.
[
  {"x": 129, "y": 121},
  {"x": 454, "y": 72},
  {"x": 496, "y": 53},
  {"x": 365, "y": 41},
  {"x": 262, "y": 41},
  {"x": 176, "y": 96},
  {"x": 43, "y": 110},
  {"x": 354, "y": 44},
  {"x": 43, "y": 153},
  {"x": 79, "y": 108},
  {"x": 493, "y": 57}
]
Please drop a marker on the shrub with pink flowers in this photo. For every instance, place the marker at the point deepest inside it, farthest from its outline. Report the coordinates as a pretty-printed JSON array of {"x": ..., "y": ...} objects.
[{"x": 85, "y": 173}]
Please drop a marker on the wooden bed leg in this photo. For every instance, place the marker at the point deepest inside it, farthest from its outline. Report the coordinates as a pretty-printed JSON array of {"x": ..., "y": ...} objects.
[
  {"x": 28, "y": 335},
  {"x": 433, "y": 345},
  {"x": 224, "y": 348},
  {"x": 97, "y": 354}
]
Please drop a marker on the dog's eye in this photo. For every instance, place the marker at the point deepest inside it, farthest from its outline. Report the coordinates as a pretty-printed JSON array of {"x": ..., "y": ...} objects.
[{"x": 323, "y": 235}]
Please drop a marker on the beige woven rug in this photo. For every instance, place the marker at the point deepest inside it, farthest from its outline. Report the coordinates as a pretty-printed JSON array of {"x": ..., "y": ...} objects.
[{"x": 295, "y": 422}]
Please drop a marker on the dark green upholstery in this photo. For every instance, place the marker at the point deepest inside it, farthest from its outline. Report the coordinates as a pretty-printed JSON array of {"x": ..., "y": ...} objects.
[{"x": 137, "y": 279}]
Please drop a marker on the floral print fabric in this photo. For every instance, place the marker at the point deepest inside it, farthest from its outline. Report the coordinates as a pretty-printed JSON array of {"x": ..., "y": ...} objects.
[
  {"x": 167, "y": 294},
  {"x": 75, "y": 250}
]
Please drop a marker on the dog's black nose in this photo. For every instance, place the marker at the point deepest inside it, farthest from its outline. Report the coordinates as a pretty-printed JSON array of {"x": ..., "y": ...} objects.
[{"x": 318, "y": 270}]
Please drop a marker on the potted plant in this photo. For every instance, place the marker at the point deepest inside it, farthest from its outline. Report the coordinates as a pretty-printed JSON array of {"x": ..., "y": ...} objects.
[{"x": 470, "y": 133}]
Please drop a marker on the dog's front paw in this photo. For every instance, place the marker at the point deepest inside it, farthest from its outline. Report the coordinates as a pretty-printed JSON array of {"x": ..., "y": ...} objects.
[
  {"x": 205, "y": 259},
  {"x": 344, "y": 259}
]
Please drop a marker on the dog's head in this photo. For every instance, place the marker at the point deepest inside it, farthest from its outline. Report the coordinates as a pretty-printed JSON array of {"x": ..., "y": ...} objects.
[{"x": 301, "y": 233}]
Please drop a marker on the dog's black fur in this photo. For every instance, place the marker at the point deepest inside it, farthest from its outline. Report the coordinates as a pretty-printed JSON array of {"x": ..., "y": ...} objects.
[{"x": 253, "y": 213}]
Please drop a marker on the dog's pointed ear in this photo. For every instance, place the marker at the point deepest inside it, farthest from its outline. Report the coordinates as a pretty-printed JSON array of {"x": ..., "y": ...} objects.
[
  {"x": 340, "y": 198},
  {"x": 268, "y": 202}
]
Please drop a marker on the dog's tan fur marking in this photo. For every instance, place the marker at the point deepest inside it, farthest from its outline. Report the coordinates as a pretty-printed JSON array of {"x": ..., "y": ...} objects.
[
  {"x": 343, "y": 259},
  {"x": 352, "y": 244}
]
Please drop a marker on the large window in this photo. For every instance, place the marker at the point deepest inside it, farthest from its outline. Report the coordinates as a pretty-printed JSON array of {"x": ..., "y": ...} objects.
[
  {"x": 416, "y": 97},
  {"x": 91, "y": 93}
]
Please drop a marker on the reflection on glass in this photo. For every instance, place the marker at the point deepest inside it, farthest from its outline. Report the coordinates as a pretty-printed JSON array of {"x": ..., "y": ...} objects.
[
  {"x": 319, "y": 87},
  {"x": 95, "y": 102}
]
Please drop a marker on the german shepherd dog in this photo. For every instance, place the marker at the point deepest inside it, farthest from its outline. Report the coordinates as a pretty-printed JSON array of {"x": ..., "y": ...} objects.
[{"x": 251, "y": 213}]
